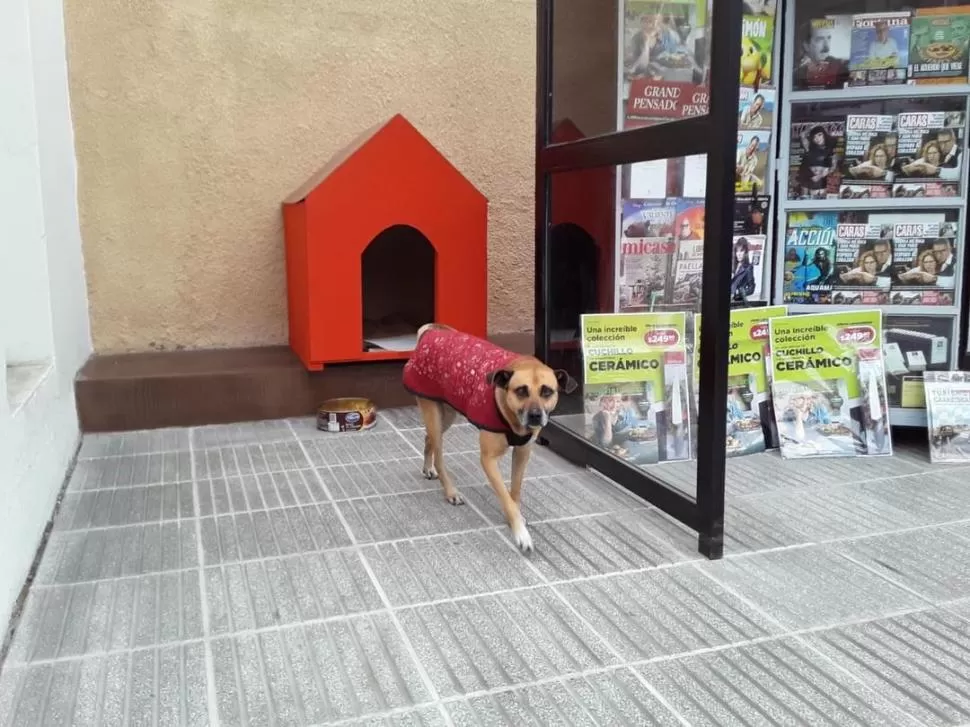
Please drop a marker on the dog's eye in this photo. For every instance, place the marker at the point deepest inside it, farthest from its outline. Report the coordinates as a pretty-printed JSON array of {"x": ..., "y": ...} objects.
[
  {"x": 545, "y": 392},
  {"x": 522, "y": 392}
]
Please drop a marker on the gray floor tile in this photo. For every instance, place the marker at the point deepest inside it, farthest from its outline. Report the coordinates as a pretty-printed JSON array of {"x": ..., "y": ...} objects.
[
  {"x": 306, "y": 429},
  {"x": 75, "y": 556},
  {"x": 577, "y": 548},
  {"x": 260, "y": 432},
  {"x": 458, "y": 438},
  {"x": 466, "y": 467},
  {"x": 933, "y": 562},
  {"x": 125, "y": 506},
  {"x": 265, "y": 593},
  {"x": 272, "y": 533},
  {"x": 165, "y": 686},
  {"x": 448, "y": 566},
  {"x": 408, "y": 417},
  {"x": 552, "y": 498},
  {"x": 116, "y": 615},
  {"x": 149, "y": 441},
  {"x": 315, "y": 674},
  {"x": 931, "y": 498},
  {"x": 266, "y": 491},
  {"x": 773, "y": 683},
  {"x": 665, "y": 612},
  {"x": 381, "y": 478},
  {"x": 430, "y": 716},
  {"x": 328, "y": 450},
  {"x": 249, "y": 459},
  {"x": 811, "y": 587},
  {"x": 611, "y": 697},
  {"x": 497, "y": 641},
  {"x": 751, "y": 525},
  {"x": 377, "y": 519},
  {"x": 131, "y": 470},
  {"x": 919, "y": 662}
]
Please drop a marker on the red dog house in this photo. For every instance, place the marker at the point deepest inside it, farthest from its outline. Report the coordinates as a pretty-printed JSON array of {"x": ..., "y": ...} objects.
[{"x": 386, "y": 237}]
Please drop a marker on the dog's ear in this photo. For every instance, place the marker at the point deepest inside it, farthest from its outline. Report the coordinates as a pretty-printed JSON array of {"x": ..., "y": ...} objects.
[
  {"x": 566, "y": 382},
  {"x": 500, "y": 378}
]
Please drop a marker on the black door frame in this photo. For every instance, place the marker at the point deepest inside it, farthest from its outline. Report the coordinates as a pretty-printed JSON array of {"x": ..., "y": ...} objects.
[{"x": 716, "y": 136}]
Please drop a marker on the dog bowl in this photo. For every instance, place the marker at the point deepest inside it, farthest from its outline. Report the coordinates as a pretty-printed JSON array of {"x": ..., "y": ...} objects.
[{"x": 348, "y": 414}]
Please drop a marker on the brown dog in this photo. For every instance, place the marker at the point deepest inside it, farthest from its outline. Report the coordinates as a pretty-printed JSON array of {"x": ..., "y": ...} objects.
[{"x": 508, "y": 397}]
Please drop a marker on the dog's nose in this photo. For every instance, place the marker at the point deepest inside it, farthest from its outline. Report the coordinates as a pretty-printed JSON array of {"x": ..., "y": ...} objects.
[{"x": 534, "y": 416}]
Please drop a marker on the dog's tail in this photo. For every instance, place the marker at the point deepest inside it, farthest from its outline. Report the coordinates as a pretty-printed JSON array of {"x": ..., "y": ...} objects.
[{"x": 433, "y": 327}]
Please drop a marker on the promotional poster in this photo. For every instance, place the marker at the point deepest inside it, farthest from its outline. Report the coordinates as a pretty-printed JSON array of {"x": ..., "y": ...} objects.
[
  {"x": 948, "y": 416},
  {"x": 636, "y": 391},
  {"x": 829, "y": 385}
]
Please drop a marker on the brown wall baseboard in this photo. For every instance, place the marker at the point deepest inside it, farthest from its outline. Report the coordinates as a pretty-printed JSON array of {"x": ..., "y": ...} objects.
[{"x": 192, "y": 388}]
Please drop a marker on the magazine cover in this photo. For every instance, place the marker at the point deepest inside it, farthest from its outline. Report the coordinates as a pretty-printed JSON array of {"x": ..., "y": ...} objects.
[
  {"x": 759, "y": 7},
  {"x": 948, "y": 416},
  {"x": 757, "y": 44},
  {"x": 635, "y": 385},
  {"x": 930, "y": 149},
  {"x": 926, "y": 189},
  {"x": 751, "y": 215},
  {"x": 862, "y": 272},
  {"x": 870, "y": 152},
  {"x": 747, "y": 268},
  {"x": 751, "y": 162},
  {"x": 756, "y": 109},
  {"x": 879, "y": 52},
  {"x": 810, "y": 242},
  {"x": 689, "y": 263},
  {"x": 666, "y": 60},
  {"x": 647, "y": 250},
  {"x": 829, "y": 385},
  {"x": 939, "y": 45},
  {"x": 815, "y": 159},
  {"x": 924, "y": 261},
  {"x": 822, "y": 50},
  {"x": 912, "y": 346},
  {"x": 750, "y": 416}
]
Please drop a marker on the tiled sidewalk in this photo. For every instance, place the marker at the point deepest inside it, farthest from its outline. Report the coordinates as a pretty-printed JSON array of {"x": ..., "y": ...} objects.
[{"x": 269, "y": 574}]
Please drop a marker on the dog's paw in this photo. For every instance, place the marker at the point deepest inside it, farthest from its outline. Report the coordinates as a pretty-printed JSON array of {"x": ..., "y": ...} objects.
[
  {"x": 430, "y": 473},
  {"x": 522, "y": 538},
  {"x": 455, "y": 498}
]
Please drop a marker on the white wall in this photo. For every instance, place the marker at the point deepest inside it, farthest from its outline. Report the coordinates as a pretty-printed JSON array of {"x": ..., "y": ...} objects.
[{"x": 44, "y": 327}]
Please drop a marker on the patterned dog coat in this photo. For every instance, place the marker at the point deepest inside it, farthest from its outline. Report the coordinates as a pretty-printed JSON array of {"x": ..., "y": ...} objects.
[{"x": 452, "y": 367}]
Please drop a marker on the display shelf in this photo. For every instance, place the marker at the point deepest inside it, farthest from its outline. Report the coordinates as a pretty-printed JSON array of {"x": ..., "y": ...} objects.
[
  {"x": 877, "y": 93},
  {"x": 895, "y": 310},
  {"x": 905, "y": 417},
  {"x": 874, "y": 204}
]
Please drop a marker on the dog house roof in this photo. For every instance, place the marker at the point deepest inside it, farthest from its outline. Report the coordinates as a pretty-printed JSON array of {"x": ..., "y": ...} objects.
[{"x": 398, "y": 145}]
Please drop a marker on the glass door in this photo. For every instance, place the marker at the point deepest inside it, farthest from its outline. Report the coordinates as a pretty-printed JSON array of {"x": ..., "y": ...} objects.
[{"x": 637, "y": 162}]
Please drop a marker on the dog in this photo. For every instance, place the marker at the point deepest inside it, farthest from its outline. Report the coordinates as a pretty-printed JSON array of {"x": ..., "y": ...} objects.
[{"x": 507, "y": 396}]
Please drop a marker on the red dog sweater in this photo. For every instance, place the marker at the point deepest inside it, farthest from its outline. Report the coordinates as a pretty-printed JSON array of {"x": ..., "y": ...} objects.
[{"x": 453, "y": 367}]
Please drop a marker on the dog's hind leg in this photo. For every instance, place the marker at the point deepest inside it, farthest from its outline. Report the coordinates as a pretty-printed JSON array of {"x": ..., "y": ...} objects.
[{"x": 437, "y": 418}]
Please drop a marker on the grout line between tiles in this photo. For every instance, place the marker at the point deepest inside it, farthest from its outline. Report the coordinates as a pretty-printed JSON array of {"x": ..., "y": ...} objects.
[
  {"x": 210, "y": 670},
  {"x": 382, "y": 594}
]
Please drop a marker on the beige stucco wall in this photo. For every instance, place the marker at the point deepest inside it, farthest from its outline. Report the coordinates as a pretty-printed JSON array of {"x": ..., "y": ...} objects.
[{"x": 194, "y": 119}]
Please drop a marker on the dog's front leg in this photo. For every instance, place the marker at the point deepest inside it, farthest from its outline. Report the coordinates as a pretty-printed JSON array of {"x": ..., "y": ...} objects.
[
  {"x": 520, "y": 536},
  {"x": 520, "y": 458}
]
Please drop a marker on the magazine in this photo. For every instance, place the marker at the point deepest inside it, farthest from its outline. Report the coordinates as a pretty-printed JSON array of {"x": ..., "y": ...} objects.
[
  {"x": 879, "y": 51},
  {"x": 647, "y": 250},
  {"x": 939, "y": 45},
  {"x": 759, "y": 7},
  {"x": 815, "y": 159},
  {"x": 862, "y": 274},
  {"x": 750, "y": 417},
  {"x": 930, "y": 149},
  {"x": 810, "y": 243},
  {"x": 747, "y": 268},
  {"x": 751, "y": 162},
  {"x": 829, "y": 385},
  {"x": 635, "y": 385},
  {"x": 822, "y": 50},
  {"x": 652, "y": 101},
  {"x": 689, "y": 263},
  {"x": 948, "y": 416},
  {"x": 751, "y": 215},
  {"x": 913, "y": 345},
  {"x": 757, "y": 44},
  {"x": 756, "y": 109},
  {"x": 924, "y": 261},
  {"x": 870, "y": 153}
]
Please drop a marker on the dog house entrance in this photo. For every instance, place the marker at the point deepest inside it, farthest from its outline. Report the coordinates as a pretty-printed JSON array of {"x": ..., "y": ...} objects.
[{"x": 397, "y": 286}]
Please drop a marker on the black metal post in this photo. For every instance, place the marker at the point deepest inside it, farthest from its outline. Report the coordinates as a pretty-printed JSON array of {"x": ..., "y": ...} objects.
[
  {"x": 715, "y": 305},
  {"x": 542, "y": 181}
]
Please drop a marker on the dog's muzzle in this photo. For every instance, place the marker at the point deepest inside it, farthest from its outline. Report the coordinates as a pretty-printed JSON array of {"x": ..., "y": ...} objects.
[{"x": 536, "y": 418}]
